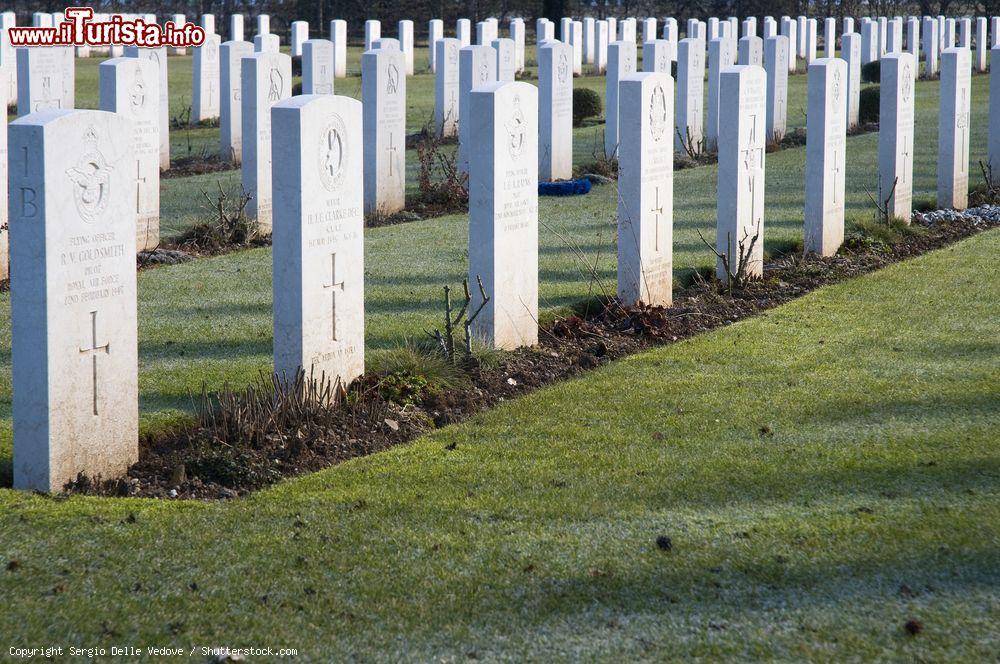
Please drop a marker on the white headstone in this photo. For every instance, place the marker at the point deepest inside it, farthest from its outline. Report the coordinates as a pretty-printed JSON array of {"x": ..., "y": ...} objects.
[
  {"x": 446, "y": 92},
  {"x": 913, "y": 38},
  {"x": 503, "y": 214},
  {"x": 802, "y": 33},
  {"x": 670, "y": 30},
  {"x": 178, "y": 20},
  {"x": 317, "y": 67},
  {"x": 208, "y": 23},
  {"x": 236, "y": 27},
  {"x": 812, "y": 30},
  {"x": 612, "y": 28},
  {"x": 555, "y": 111},
  {"x": 826, "y": 145},
  {"x": 158, "y": 56},
  {"x": 205, "y": 80},
  {"x": 506, "y": 64},
  {"x": 589, "y": 35},
  {"x": 4, "y": 218},
  {"x": 830, "y": 36},
  {"x": 463, "y": 32},
  {"x": 265, "y": 79},
  {"x": 741, "y": 171},
  {"x": 850, "y": 52},
  {"x": 338, "y": 35},
  {"x": 131, "y": 88},
  {"x": 300, "y": 33},
  {"x": 646, "y": 189},
  {"x": 718, "y": 59},
  {"x": 576, "y": 41},
  {"x": 517, "y": 34},
  {"x": 318, "y": 240},
  {"x": 404, "y": 31},
  {"x": 73, "y": 302},
  {"x": 776, "y": 65},
  {"x": 848, "y": 25},
  {"x": 953, "y": 129},
  {"x": 931, "y": 48},
  {"x": 266, "y": 43},
  {"x": 894, "y": 38},
  {"x": 789, "y": 29},
  {"x": 981, "y": 44},
  {"x": 485, "y": 33},
  {"x": 950, "y": 30},
  {"x": 8, "y": 59},
  {"x": 621, "y": 63},
  {"x": 383, "y": 95},
  {"x": 657, "y": 56},
  {"x": 565, "y": 27},
  {"x": 751, "y": 51},
  {"x": 689, "y": 133},
  {"x": 600, "y": 47},
  {"x": 230, "y": 101},
  {"x": 965, "y": 32},
  {"x": 628, "y": 30},
  {"x": 883, "y": 35},
  {"x": 869, "y": 42},
  {"x": 648, "y": 29},
  {"x": 373, "y": 31},
  {"x": 895, "y": 135},
  {"x": 263, "y": 24},
  {"x": 713, "y": 28},
  {"x": 43, "y": 79},
  {"x": 477, "y": 67},
  {"x": 770, "y": 27},
  {"x": 435, "y": 31}
]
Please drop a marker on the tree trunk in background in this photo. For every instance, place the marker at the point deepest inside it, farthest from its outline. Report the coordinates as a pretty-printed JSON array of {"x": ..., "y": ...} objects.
[{"x": 554, "y": 10}]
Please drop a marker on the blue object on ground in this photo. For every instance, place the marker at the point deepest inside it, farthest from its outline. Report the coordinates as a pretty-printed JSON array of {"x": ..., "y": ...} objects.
[{"x": 564, "y": 187}]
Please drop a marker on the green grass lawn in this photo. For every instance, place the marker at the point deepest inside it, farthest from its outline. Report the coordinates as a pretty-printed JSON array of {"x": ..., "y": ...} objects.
[{"x": 825, "y": 472}]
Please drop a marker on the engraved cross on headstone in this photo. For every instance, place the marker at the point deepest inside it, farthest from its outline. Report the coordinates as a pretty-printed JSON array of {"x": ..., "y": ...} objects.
[
  {"x": 333, "y": 285},
  {"x": 961, "y": 122},
  {"x": 657, "y": 210},
  {"x": 92, "y": 353},
  {"x": 391, "y": 149},
  {"x": 904, "y": 155},
  {"x": 140, "y": 180},
  {"x": 836, "y": 173},
  {"x": 753, "y": 158}
]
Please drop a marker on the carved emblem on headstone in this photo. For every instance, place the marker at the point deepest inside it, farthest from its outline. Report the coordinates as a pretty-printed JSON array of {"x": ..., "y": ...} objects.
[
  {"x": 333, "y": 153},
  {"x": 392, "y": 79},
  {"x": 137, "y": 93},
  {"x": 484, "y": 72},
  {"x": 516, "y": 129},
  {"x": 836, "y": 87},
  {"x": 658, "y": 113},
  {"x": 562, "y": 69},
  {"x": 92, "y": 177},
  {"x": 277, "y": 81},
  {"x": 907, "y": 82}
]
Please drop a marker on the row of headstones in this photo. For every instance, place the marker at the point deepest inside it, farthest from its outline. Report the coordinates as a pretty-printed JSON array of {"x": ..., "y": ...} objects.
[
  {"x": 73, "y": 220},
  {"x": 50, "y": 70}
]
